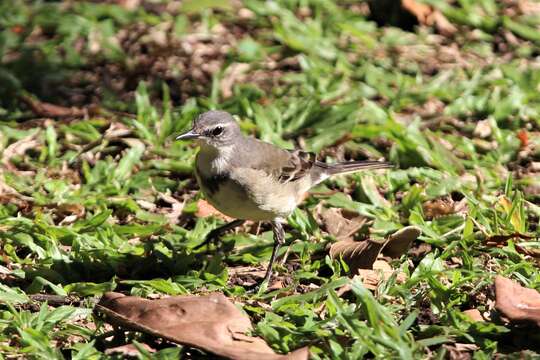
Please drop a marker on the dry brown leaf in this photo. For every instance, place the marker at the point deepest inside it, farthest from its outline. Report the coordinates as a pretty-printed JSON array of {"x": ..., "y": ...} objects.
[
  {"x": 117, "y": 130},
  {"x": 420, "y": 250},
  {"x": 528, "y": 7},
  {"x": 246, "y": 275},
  {"x": 129, "y": 4},
  {"x": 71, "y": 209},
  {"x": 419, "y": 10},
  {"x": 382, "y": 265},
  {"x": 212, "y": 323},
  {"x": 438, "y": 207},
  {"x": 516, "y": 302},
  {"x": 406, "y": 13},
  {"x": 340, "y": 224},
  {"x": 257, "y": 272},
  {"x": 362, "y": 254},
  {"x": 177, "y": 208},
  {"x": 482, "y": 129},
  {"x": 426, "y": 15},
  {"x": 146, "y": 205},
  {"x": 357, "y": 254},
  {"x": 474, "y": 314},
  {"x": 459, "y": 351},
  {"x": 9, "y": 195},
  {"x": 466, "y": 347},
  {"x": 50, "y": 110},
  {"x": 18, "y": 148},
  {"x": 442, "y": 24},
  {"x": 400, "y": 241},
  {"x": 13, "y": 199},
  {"x": 381, "y": 272},
  {"x": 235, "y": 73},
  {"x": 205, "y": 209},
  {"x": 501, "y": 240},
  {"x": 69, "y": 213},
  {"x": 128, "y": 350}
]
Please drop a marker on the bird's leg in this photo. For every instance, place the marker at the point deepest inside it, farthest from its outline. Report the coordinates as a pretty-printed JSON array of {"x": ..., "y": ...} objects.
[
  {"x": 279, "y": 239},
  {"x": 217, "y": 232}
]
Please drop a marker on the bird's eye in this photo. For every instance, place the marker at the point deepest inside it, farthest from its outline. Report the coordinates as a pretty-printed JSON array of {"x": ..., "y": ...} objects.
[{"x": 217, "y": 131}]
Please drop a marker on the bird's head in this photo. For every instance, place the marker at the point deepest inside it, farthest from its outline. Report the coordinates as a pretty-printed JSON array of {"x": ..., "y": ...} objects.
[{"x": 213, "y": 128}]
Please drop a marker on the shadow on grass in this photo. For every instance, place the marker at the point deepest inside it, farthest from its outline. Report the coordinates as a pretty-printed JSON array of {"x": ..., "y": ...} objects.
[{"x": 33, "y": 72}]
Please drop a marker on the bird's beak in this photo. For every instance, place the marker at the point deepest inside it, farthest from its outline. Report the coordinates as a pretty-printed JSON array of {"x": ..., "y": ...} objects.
[{"x": 190, "y": 135}]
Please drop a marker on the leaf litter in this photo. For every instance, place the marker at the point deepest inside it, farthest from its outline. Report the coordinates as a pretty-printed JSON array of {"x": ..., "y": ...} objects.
[
  {"x": 515, "y": 302},
  {"x": 212, "y": 323},
  {"x": 456, "y": 112},
  {"x": 361, "y": 256}
]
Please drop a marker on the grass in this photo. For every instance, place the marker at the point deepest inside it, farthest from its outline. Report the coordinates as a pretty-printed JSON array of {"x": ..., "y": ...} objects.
[{"x": 85, "y": 202}]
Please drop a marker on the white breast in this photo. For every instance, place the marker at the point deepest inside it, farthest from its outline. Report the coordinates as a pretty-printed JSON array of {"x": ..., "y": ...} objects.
[{"x": 211, "y": 161}]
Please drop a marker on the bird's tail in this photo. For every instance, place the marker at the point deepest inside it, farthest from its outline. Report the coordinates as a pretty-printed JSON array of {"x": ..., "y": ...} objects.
[
  {"x": 352, "y": 166},
  {"x": 327, "y": 170}
]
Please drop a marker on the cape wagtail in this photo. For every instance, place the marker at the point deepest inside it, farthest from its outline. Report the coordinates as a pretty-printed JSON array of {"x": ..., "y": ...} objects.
[{"x": 249, "y": 179}]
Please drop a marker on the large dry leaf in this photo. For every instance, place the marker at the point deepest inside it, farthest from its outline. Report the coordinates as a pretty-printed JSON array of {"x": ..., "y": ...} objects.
[
  {"x": 357, "y": 254},
  {"x": 382, "y": 271},
  {"x": 212, "y": 323},
  {"x": 516, "y": 302},
  {"x": 400, "y": 241},
  {"x": 362, "y": 254},
  {"x": 340, "y": 224}
]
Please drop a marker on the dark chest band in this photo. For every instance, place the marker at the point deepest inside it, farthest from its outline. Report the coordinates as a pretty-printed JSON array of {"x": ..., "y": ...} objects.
[{"x": 212, "y": 183}]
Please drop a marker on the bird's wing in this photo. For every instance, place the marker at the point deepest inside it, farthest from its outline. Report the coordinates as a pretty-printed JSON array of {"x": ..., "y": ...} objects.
[
  {"x": 284, "y": 165},
  {"x": 299, "y": 165}
]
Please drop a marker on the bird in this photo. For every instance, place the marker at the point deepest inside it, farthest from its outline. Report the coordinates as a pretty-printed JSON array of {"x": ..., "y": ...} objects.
[{"x": 249, "y": 179}]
